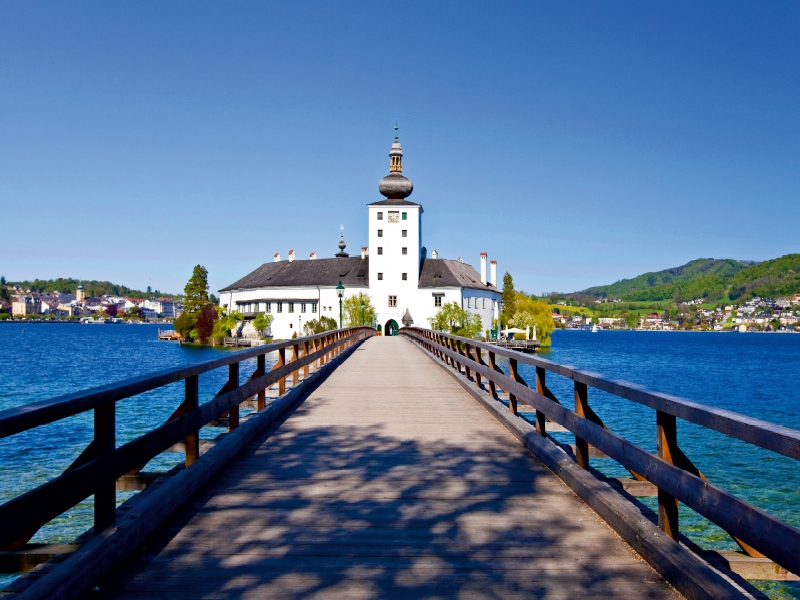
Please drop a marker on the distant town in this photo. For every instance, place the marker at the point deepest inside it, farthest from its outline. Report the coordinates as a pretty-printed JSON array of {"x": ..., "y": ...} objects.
[
  {"x": 108, "y": 308},
  {"x": 756, "y": 314}
]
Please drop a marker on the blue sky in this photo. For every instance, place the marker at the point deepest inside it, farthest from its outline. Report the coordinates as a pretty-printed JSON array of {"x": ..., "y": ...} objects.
[{"x": 575, "y": 142}]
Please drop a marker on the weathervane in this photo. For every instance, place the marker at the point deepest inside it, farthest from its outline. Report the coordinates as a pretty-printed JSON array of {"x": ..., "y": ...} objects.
[{"x": 395, "y": 128}]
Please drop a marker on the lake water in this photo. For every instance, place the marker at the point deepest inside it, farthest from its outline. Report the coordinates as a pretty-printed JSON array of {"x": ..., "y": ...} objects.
[{"x": 747, "y": 373}]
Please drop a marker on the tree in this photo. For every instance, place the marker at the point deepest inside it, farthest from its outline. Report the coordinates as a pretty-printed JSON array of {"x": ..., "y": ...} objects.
[
  {"x": 149, "y": 290},
  {"x": 204, "y": 327},
  {"x": 224, "y": 323},
  {"x": 262, "y": 323},
  {"x": 5, "y": 296},
  {"x": 196, "y": 291},
  {"x": 184, "y": 324},
  {"x": 213, "y": 299},
  {"x": 134, "y": 312},
  {"x": 507, "y": 298},
  {"x": 533, "y": 313},
  {"x": 315, "y": 326},
  {"x": 112, "y": 310},
  {"x": 455, "y": 320},
  {"x": 351, "y": 310}
]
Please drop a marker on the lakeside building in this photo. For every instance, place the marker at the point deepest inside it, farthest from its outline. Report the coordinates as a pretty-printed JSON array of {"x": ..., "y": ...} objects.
[
  {"x": 406, "y": 286},
  {"x": 26, "y": 305}
]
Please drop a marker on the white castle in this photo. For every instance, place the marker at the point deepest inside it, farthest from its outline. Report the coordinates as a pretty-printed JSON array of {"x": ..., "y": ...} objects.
[{"x": 405, "y": 285}]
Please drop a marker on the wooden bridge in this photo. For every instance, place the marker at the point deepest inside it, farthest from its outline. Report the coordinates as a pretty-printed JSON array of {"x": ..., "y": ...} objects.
[{"x": 379, "y": 467}]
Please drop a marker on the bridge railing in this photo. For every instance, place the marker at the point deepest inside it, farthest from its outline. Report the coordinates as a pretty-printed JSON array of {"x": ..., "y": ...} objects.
[
  {"x": 102, "y": 463},
  {"x": 670, "y": 470}
]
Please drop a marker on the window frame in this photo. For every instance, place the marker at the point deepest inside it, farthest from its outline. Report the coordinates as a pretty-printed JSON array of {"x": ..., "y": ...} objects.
[
  {"x": 380, "y": 276},
  {"x": 405, "y": 277},
  {"x": 392, "y": 301}
]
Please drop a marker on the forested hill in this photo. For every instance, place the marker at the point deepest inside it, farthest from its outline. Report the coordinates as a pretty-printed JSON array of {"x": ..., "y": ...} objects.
[
  {"x": 93, "y": 288},
  {"x": 713, "y": 279}
]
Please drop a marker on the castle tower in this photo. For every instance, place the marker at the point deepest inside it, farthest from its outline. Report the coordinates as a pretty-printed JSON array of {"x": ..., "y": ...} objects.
[
  {"x": 80, "y": 294},
  {"x": 395, "y": 243}
]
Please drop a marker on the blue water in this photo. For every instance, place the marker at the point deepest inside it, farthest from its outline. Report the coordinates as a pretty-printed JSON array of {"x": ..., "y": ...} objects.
[{"x": 748, "y": 373}]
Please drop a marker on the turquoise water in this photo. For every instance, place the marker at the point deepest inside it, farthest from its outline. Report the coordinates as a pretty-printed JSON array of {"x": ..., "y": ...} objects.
[{"x": 748, "y": 373}]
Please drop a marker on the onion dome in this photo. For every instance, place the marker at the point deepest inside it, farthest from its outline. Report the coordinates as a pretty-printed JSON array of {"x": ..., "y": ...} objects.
[{"x": 395, "y": 186}]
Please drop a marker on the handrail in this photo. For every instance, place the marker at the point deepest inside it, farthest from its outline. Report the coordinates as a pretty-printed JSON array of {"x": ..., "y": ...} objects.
[
  {"x": 98, "y": 467},
  {"x": 676, "y": 478}
]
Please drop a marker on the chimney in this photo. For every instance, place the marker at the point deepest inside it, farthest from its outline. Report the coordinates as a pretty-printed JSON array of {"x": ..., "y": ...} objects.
[
  {"x": 493, "y": 273},
  {"x": 434, "y": 254},
  {"x": 483, "y": 268},
  {"x": 363, "y": 251},
  {"x": 291, "y": 255},
  {"x": 312, "y": 256},
  {"x": 277, "y": 257}
]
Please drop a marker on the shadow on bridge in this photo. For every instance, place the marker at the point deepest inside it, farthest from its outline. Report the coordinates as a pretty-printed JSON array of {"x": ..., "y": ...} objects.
[{"x": 355, "y": 511}]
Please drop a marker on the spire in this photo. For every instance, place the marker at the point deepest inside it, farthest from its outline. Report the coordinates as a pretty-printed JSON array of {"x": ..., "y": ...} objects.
[
  {"x": 341, "y": 253},
  {"x": 396, "y": 153}
]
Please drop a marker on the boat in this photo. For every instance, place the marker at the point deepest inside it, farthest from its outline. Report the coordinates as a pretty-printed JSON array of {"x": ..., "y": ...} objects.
[{"x": 595, "y": 329}]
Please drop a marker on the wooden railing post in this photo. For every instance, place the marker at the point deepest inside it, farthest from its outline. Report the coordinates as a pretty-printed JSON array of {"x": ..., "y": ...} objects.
[
  {"x": 233, "y": 383},
  {"x": 306, "y": 352},
  {"x": 191, "y": 401},
  {"x": 493, "y": 367},
  {"x": 468, "y": 356},
  {"x": 667, "y": 438},
  {"x": 261, "y": 369},
  {"x": 479, "y": 360},
  {"x": 581, "y": 409},
  {"x": 282, "y": 380},
  {"x": 295, "y": 358},
  {"x": 105, "y": 494},
  {"x": 514, "y": 376},
  {"x": 541, "y": 420}
]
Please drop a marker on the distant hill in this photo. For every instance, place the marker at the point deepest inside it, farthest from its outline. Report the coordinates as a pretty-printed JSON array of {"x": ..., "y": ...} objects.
[
  {"x": 713, "y": 279},
  {"x": 93, "y": 288}
]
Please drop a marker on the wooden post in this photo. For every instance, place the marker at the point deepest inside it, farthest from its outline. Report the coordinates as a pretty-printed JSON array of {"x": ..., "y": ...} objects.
[
  {"x": 191, "y": 401},
  {"x": 667, "y": 438},
  {"x": 295, "y": 358},
  {"x": 233, "y": 383},
  {"x": 468, "y": 356},
  {"x": 581, "y": 405},
  {"x": 493, "y": 367},
  {"x": 479, "y": 360},
  {"x": 105, "y": 494},
  {"x": 306, "y": 352},
  {"x": 282, "y": 380},
  {"x": 261, "y": 370},
  {"x": 541, "y": 420},
  {"x": 514, "y": 376}
]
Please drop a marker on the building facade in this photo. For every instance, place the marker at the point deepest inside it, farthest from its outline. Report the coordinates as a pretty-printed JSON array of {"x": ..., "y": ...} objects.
[{"x": 405, "y": 285}]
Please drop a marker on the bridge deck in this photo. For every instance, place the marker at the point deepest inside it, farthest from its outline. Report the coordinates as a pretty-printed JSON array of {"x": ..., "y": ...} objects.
[{"x": 388, "y": 481}]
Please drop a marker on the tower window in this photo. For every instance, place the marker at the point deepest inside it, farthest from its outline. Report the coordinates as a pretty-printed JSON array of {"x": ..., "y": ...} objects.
[
  {"x": 280, "y": 307},
  {"x": 405, "y": 215},
  {"x": 380, "y": 216},
  {"x": 313, "y": 307},
  {"x": 405, "y": 251},
  {"x": 405, "y": 232},
  {"x": 291, "y": 306},
  {"x": 303, "y": 307},
  {"x": 405, "y": 276},
  {"x": 268, "y": 307},
  {"x": 437, "y": 300},
  {"x": 380, "y": 232},
  {"x": 392, "y": 301},
  {"x": 380, "y": 249},
  {"x": 380, "y": 276}
]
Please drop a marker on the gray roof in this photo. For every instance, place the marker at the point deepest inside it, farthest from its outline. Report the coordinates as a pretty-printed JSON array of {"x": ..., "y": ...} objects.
[
  {"x": 324, "y": 271},
  {"x": 391, "y": 202},
  {"x": 439, "y": 272}
]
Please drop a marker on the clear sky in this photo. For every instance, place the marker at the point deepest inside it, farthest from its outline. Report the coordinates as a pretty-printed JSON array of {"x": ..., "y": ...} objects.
[{"x": 575, "y": 142}]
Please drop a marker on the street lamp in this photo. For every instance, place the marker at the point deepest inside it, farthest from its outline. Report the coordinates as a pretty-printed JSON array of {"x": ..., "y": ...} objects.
[
  {"x": 362, "y": 312},
  {"x": 340, "y": 293}
]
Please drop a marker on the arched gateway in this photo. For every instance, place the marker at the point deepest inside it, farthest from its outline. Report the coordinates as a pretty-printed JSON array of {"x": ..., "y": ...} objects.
[{"x": 391, "y": 327}]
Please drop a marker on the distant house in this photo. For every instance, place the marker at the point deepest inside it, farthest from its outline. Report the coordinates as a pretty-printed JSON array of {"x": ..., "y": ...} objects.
[{"x": 26, "y": 305}]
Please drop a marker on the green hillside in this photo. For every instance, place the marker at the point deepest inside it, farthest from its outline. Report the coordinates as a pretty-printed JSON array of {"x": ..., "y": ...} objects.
[
  {"x": 712, "y": 279},
  {"x": 93, "y": 288}
]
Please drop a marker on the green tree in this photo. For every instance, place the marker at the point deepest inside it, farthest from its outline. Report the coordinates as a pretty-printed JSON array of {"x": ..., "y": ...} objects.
[
  {"x": 5, "y": 295},
  {"x": 454, "y": 319},
  {"x": 351, "y": 310},
  {"x": 315, "y": 326},
  {"x": 508, "y": 298},
  {"x": 224, "y": 323},
  {"x": 134, "y": 312},
  {"x": 262, "y": 323},
  {"x": 196, "y": 291},
  {"x": 533, "y": 313}
]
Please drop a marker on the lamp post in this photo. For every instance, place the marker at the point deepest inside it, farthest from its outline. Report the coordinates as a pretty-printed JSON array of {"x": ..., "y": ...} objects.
[
  {"x": 362, "y": 312},
  {"x": 340, "y": 293}
]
